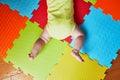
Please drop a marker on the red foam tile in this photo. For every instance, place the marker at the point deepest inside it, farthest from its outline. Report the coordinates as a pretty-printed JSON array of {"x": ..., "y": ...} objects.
[
  {"x": 68, "y": 39},
  {"x": 109, "y": 7},
  {"x": 81, "y": 8},
  {"x": 10, "y": 25},
  {"x": 40, "y": 15}
]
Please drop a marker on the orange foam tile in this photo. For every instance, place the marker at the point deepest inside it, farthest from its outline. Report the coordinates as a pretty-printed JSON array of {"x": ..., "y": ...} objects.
[
  {"x": 109, "y": 7},
  {"x": 10, "y": 25}
]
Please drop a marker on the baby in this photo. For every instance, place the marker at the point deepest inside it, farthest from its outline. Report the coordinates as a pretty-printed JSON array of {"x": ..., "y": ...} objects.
[{"x": 60, "y": 25}]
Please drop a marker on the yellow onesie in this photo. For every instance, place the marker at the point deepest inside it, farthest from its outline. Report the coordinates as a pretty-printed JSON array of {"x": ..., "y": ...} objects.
[{"x": 60, "y": 18}]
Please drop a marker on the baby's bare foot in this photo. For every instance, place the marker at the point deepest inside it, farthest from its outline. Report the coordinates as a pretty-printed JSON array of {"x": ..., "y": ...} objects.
[
  {"x": 75, "y": 53},
  {"x": 31, "y": 56}
]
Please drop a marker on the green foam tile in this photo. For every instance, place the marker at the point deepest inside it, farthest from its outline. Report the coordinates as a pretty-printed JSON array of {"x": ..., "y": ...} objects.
[
  {"x": 91, "y": 1},
  {"x": 42, "y": 65}
]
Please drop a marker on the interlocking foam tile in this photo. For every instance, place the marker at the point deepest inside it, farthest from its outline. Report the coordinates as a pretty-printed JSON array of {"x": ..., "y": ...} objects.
[
  {"x": 70, "y": 69},
  {"x": 40, "y": 15},
  {"x": 110, "y": 7},
  {"x": 10, "y": 25},
  {"x": 43, "y": 63},
  {"x": 102, "y": 36},
  {"x": 114, "y": 72},
  {"x": 25, "y": 7},
  {"x": 92, "y": 1},
  {"x": 115, "y": 64},
  {"x": 81, "y": 8}
]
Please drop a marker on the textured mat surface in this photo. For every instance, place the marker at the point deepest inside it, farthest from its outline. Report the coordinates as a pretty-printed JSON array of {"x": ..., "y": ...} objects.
[
  {"x": 70, "y": 69},
  {"x": 114, "y": 72},
  {"x": 102, "y": 40},
  {"x": 91, "y": 1},
  {"x": 48, "y": 57},
  {"x": 10, "y": 25},
  {"x": 40, "y": 14},
  {"x": 25, "y": 7},
  {"x": 112, "y": 7},
  {"x": 44, "y": 63},
  {"x": 81, "y": 8},
  {"x": 102, "y": 36}
]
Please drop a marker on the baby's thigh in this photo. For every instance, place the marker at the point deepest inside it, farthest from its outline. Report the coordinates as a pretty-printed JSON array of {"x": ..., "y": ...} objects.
[
  {"x": 45, "y": 36},
  {"x": 77, "y": 32}
]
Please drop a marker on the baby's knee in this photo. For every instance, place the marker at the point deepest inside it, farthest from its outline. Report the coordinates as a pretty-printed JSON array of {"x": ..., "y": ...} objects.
[
  {"x": 77, "y": 33},
  {"x": 45, "y": 38}
]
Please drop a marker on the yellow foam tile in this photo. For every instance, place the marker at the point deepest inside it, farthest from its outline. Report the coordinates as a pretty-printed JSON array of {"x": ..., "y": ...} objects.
[{"x": 70, "y": 69}]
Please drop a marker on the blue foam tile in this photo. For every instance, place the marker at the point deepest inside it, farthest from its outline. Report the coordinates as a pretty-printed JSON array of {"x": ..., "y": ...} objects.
[
  {"x": 102, "y": 36},
  {"x": 25, "y": 7}
]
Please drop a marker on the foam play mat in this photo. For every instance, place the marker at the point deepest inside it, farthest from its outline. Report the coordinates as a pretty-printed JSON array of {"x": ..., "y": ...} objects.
[{"x": 22, "y": 22}]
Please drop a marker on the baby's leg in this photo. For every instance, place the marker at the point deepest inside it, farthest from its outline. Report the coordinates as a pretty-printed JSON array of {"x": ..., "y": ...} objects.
[
  {"x": 44, "y": 38},
  {"x": 79, "y": 39}
]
